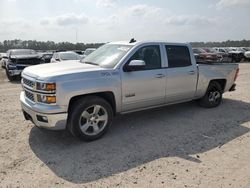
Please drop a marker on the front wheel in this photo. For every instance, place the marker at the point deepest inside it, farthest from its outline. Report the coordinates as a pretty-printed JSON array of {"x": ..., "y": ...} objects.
[
  {"x": 213, "y": 96},
  {"x": 90, "y": 118}
]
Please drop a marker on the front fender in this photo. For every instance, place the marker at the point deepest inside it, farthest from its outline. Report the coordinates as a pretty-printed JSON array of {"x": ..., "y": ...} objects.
[{"x": 69, "y": 89}]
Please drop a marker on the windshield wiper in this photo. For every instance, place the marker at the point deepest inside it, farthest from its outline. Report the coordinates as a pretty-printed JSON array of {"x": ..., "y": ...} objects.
[{"x": 91, "y": 63}]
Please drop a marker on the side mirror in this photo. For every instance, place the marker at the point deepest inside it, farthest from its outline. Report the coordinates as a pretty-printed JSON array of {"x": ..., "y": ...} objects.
[{"x": 134, "y": 65}]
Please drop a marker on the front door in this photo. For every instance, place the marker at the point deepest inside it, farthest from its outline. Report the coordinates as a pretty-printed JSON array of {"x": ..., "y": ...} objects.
[{"x": 146, "y": 87}]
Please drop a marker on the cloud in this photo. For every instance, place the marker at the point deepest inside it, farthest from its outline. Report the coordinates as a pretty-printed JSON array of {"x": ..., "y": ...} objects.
[
  {"x": 191, "y": 20},
  {"x": 142, "y": 10},
  {"x": 106, "y": 3},
  {"x": 230, "y": 3},
  {"x": 111, "y": 20},
  {"x": 71, "y": 19},
  {"x": 15, "y": 22},
  {"x": 67, "y": 19},
  {"x": 45, "y": 21}
]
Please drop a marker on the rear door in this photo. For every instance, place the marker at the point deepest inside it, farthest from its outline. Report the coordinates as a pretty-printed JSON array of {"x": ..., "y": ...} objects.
[
  {"x": 146, "y": 87},
  {"x": 181, "y": 74}
]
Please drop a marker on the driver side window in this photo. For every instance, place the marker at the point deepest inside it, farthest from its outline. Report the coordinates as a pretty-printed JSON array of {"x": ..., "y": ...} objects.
[{"x": 150, "y": 55}]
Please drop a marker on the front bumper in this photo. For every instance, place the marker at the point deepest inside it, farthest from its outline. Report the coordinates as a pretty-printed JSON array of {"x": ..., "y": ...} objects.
[
  {"x": 56, "y": 121},
  {"x": 15, "y": 72}
]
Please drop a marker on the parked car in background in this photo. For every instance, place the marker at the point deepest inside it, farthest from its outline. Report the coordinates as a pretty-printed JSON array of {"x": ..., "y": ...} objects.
[
  {"x": 1, "y": 55},
  {"x": 236, "y": 53},
  {"x": 202, "y": 55},
  {"x": 3, "y": 59},
  {"x": 18, "y": 59},
  {"x": 226, "y": 57},
  {"x": 88, "y": 51},
  {"x": 247, "y": 55},
  {"x": 80, "y": 53},
  {"x": 46, "y": 57},
  {"x": 65, "y": 56},
  {"x": 214, "y": 52},
  {"x": 119, "y": 78}
]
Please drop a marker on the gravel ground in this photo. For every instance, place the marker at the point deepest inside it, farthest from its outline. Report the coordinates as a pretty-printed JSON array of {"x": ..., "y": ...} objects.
[{"x": 177, "y": 146}]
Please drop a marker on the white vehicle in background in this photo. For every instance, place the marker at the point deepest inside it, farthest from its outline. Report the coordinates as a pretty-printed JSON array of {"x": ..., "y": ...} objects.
[
  {"x": 65, "y": 56},
  {"x": 237, "y": 54},
  {"x": 88, "y": 51},
  {"x": 247, "y": 55},
  {"x": 3, "y": 58}
]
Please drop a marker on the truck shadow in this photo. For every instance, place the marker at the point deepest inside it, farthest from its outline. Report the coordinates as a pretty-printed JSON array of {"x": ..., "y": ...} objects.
[{"x": 182, "y": 130}]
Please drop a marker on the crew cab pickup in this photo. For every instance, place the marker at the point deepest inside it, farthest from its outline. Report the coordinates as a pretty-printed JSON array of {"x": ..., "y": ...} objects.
[{"x": 118, "y": 78}]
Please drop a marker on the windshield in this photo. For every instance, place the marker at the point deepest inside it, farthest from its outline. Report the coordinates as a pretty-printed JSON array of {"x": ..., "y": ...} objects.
[
  {"x": 69, "y": 56},
  {"x": 108, "y": 55},
  {"x": 23, "y": 52},
  {"x": 89, "y": 51}
]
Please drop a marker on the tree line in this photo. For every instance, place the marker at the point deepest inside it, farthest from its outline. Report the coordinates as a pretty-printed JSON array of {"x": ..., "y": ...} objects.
[
  {"x": 43, "y": 46},
  {"x": 50, "y": 45}
]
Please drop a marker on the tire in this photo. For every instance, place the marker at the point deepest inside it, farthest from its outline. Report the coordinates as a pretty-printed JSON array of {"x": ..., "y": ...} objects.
[
  {"x": 237, "y": 60},
  {"x": 90, "y": 118},
  {"x": 11, "y": 78},
  {"x": 213, "y": 96},
  {"x": 239, "y": 57}
]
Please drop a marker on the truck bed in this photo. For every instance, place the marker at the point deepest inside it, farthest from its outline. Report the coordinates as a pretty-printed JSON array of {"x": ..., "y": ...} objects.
[
  {"x": 215, "y": 63},
  {"x": 218, "y": 71}
]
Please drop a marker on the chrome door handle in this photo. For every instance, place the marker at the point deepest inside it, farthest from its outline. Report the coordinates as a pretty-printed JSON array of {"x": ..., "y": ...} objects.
[
  {"x": 191, "y": 72},
  {"x": 159, "y": 76}
]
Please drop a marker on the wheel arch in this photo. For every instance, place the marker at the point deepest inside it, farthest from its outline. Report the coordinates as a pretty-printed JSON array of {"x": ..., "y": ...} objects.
[
  {"x": 107, "y": 95},
  {"x": 221, "y": 82}
]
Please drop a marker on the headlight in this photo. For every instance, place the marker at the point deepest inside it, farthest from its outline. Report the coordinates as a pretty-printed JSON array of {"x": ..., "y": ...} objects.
[
  {"x": 46, "y": 86},
  {"x": 48, "y": 99},
  {"x": 11, "y": 66}
]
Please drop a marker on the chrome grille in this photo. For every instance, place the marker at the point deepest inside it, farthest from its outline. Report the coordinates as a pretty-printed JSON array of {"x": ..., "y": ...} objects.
[
  {"x": 28, "y": 83},
  {"x": 29, "y": 95}
]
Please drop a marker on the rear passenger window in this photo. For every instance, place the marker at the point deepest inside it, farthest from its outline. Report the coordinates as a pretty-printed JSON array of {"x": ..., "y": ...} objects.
[{"x": 178, "y": 56}]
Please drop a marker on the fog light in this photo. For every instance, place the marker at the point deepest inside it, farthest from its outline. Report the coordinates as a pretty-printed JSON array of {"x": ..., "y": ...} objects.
[{"x": 42, "y": 119}]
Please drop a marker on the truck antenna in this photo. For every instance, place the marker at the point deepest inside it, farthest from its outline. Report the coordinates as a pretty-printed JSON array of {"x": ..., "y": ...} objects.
[{"x": 132, "y": 40}]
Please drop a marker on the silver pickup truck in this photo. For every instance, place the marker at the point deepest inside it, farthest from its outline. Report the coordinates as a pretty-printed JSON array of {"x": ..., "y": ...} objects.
[{"x": 119, "y": 77}]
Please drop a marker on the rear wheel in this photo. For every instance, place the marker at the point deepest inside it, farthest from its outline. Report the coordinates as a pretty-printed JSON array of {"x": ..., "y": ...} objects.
[
  {"x": 90, "y": 118},
  {"x": 213, "y": 96}
]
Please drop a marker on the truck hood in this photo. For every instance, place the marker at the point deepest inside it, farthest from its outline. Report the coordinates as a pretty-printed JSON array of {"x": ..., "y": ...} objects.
[
  {"x": 52, "y": 70},
  {"x": 31, "y": 56}
]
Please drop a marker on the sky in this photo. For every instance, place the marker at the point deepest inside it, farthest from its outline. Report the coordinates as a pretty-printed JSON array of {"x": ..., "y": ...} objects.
[{"x": 114, "y": 20}]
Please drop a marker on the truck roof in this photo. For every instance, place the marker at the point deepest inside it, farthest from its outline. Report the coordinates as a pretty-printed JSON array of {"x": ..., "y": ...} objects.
[{"x": 145, "y": 42}]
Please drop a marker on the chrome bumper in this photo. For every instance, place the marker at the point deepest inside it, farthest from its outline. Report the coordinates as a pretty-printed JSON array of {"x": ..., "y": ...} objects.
[{"x": 48, "y": 121}]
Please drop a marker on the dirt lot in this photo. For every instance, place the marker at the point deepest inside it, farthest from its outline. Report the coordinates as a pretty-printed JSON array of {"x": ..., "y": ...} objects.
[{"x": 176, "y": 146}]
